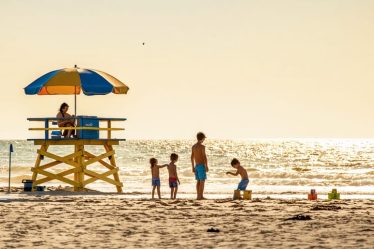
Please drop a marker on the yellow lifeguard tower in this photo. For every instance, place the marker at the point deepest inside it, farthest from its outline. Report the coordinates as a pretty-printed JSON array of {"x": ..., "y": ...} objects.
[
  {"x": 80, "y": 159},
  {"x": 73, "y": 81}
]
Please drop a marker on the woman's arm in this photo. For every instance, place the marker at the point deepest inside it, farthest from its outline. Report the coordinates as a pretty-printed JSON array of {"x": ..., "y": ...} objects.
[
  {"x": 60, "y": 122},
  {"x": 70, "y": 119}
]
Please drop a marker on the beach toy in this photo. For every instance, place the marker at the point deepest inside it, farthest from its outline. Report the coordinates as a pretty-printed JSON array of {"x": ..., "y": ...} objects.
[
  {"x": 27, "y": 185},
  {"x": 313, "y": 195},
  {"x": 237, "y": 195},
  {"x": 334, "y": 195},
  {"x": 40, "y": 188},
  {"x": 247, "y": 194}
]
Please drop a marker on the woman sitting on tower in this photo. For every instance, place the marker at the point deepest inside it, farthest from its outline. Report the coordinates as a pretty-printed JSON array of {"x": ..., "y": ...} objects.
[{"x": 66, "y": 121}]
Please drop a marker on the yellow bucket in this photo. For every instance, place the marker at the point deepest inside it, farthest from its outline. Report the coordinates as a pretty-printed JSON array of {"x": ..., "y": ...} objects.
[{"x": 247, "y": 195}]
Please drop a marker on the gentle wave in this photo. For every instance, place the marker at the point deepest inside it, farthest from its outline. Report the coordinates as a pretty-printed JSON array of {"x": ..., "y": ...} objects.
[{"x": 292, "y": 163}]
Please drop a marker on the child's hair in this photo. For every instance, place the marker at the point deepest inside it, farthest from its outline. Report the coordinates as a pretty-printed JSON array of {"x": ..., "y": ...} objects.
[
  {"x": 153, "y": 161},
  {"x": 173, "y": 157},
  {"x": 200, "y": 136},
  {"x": 234, "y": 162}
]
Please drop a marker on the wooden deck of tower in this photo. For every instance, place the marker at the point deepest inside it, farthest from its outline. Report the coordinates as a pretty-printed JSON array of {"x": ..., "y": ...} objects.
[{"x": 80, "y": 174}]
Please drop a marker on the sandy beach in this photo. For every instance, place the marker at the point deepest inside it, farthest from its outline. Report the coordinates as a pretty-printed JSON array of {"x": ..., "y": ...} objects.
[{"x": 65, "y": 220}]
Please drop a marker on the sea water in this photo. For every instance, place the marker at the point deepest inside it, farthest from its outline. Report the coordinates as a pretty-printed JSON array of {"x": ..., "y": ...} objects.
[{"x": 276, "y": 167}]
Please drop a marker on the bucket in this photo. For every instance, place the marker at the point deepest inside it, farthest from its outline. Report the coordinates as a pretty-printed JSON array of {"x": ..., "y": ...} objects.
[
  {"x": 312, "y": 197},
  {"x": 247, "y": 194},
  {"x": 27, "y": 185},
  {"x": 236, "y": 195}
]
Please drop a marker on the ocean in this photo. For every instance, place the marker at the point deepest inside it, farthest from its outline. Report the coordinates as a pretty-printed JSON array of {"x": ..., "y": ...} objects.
[{"x": 279, "y": 168}]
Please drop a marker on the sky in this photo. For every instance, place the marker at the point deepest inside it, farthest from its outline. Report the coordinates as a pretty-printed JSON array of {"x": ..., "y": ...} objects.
[{"x": 233, "y": 69}]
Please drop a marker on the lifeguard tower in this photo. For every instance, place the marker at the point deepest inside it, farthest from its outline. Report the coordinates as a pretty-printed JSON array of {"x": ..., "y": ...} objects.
[
  {"x": 81, "y": 159},
  {"x": 80, "y": 173}
]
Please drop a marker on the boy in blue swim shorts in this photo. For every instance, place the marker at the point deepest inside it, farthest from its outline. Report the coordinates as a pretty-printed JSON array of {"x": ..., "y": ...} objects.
[
  {"x": 239, "y": 171},
  {"x": 199, "y": 163},
  {"x": 156, "y": 183}
]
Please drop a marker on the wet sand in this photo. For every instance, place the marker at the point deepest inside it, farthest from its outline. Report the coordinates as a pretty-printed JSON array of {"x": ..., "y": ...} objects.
[{"x": 113, "y": 221}]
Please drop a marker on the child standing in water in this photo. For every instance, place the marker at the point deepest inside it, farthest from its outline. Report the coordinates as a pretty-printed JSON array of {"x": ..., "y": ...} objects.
[
  {"x": 199, "y": 163},
  {"x": 173, "y": 176},
  {"x": 156, "y": 183},
  {"x": 239, "y": 171}
]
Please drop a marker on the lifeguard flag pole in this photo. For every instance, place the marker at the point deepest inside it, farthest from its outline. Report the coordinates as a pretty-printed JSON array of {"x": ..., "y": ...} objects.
[{"x": 10, "y": 164}]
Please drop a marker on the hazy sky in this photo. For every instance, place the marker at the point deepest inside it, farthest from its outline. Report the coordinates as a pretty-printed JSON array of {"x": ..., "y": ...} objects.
[{"x": 234, "y": 69}]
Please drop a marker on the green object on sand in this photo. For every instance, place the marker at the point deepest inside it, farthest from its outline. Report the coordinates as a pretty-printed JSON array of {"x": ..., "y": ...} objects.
[{"x": 334, "y": 196}]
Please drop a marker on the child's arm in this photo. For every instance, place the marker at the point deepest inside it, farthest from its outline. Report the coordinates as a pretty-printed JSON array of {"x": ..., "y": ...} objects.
[
  {"x": 162, "y": 166},
  {"x": 234, "y": 174},
  {"x": 205, "y": 160},
  {"x": 193, "y": 162},
  {"x": 176, "y": 175}
]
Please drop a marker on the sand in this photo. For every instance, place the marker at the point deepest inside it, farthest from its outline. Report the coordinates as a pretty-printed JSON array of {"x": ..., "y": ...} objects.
[{"x": 64, "y": 220}]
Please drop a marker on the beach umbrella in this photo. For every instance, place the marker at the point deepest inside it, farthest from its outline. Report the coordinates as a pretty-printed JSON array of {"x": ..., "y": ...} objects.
[{"x": 73, "y": 81}]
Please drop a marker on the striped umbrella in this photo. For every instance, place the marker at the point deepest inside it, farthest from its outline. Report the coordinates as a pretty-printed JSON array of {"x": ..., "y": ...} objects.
[{"x": 73, "y": 81}]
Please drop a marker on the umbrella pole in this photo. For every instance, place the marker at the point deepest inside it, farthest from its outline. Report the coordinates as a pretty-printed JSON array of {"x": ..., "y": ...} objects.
[
  {"x": 75, "y": 102},
  {"x": 75, "y": 105}
]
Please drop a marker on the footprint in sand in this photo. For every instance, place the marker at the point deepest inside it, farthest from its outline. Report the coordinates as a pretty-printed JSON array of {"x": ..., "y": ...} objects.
[
  {"x": 236, "y": 206},
  {"x": 163, "y": 203},
  {"x": 175, "y": 202},
  {"x": 325, "y": 207}
]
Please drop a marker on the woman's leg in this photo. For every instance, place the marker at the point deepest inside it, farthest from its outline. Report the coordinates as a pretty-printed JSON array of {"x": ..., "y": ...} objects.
[
  {"x": 69, "y": 131},
  {"x": 73, "y": 125}
]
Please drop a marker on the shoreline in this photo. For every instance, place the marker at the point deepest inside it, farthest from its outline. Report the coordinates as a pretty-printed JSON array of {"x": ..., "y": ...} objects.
[{"x": 189, "y": 196}]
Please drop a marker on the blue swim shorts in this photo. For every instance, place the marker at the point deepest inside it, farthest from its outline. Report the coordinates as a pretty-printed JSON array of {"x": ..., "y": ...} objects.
[
  {"x": 200, "y": 172},
  {"x": 156, "y": 182},
  {"x": 243, "y": 184}
]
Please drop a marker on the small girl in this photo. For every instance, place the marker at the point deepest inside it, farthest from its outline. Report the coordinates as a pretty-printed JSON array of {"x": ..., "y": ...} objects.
[{"x": 156, "y": 176}]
